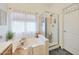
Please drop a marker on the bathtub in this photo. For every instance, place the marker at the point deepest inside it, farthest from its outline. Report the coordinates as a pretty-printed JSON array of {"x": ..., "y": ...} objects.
[{"x": 32, "y": 46}]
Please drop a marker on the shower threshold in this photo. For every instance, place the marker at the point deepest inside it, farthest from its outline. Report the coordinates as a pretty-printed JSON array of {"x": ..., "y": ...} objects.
[{"x": 53, "y": 45}]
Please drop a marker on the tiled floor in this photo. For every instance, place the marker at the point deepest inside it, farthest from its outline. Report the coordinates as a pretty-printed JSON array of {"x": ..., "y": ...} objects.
[{"x": 59, "y": 51}]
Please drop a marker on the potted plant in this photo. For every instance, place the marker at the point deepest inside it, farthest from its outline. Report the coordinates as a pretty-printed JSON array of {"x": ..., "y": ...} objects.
[{"x": 9, "y": 35}]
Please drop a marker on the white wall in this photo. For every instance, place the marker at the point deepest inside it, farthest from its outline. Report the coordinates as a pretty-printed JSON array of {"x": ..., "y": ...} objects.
[{"x": 3, "y": 28}]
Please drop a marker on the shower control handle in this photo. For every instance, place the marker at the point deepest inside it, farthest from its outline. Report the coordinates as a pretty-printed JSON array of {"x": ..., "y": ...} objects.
[{"x": 65, "y": 31}]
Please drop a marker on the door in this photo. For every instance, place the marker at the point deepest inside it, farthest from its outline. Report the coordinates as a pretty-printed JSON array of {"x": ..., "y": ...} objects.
[{"x": 71, "y": 32}]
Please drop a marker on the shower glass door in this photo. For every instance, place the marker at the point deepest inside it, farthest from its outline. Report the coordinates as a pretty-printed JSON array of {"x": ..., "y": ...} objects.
[
  {"x": 55, "y": 30},
  {"x": 50, "y": 29}
]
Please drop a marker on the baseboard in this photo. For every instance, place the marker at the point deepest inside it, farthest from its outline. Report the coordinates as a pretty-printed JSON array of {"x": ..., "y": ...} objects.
[{"x": 67, "y": 51}]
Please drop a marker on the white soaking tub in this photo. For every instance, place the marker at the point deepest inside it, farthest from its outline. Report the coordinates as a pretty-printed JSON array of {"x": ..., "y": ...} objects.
[{"x": 33, "y": 46}]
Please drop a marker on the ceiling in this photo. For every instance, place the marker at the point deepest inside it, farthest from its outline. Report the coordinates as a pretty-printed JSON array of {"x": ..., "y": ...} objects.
[{"x": 36, "y": 7}]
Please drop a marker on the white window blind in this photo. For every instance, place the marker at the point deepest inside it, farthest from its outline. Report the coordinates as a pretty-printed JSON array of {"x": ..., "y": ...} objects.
[
  {"x": 22, "y": 23},
  {"x": 17, "y": 26},
  {"x": 30, "y": 27}
]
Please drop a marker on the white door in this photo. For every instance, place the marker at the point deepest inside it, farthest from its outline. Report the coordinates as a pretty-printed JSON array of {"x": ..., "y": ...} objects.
[{"x": 71, "y": 32}]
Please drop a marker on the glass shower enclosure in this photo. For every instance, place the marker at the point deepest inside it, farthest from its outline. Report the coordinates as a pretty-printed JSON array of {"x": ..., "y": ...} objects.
[{"x": 50, "y": 28}]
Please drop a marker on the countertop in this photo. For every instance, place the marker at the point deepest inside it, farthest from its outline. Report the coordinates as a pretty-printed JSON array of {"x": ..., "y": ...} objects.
[{"x": 4, "y": 45}]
